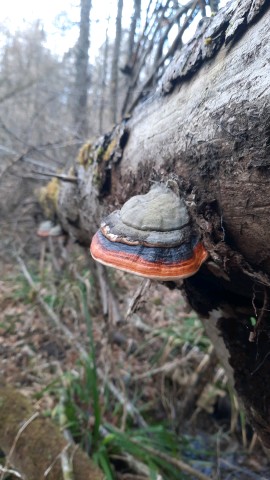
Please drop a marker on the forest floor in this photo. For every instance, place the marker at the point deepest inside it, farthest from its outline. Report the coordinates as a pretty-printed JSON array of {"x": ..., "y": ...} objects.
[{"x": 147, "y": 344}]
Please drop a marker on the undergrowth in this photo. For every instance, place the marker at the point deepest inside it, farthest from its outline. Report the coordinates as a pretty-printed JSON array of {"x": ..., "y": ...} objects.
[{"x": 154, "y": 376}]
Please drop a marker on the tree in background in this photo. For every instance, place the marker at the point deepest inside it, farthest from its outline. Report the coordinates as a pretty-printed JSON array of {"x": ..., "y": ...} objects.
[
  {"x": 39, "y": 89},
  {"x": 104, "y": 72},
  {"x": 82, "y": 80},
  {"x": 115, "y": 64},
  {"x": 34, "y": 95}
]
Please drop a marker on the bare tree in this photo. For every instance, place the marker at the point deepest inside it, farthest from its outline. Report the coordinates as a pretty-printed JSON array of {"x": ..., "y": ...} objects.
[
  {"x": 103, "y": 79},
  {"x": 127, "y": 68},
  {"x": 115, "y": 63},
  {"x": 34, "y": 90},
  {"x": 81, "y": 83}
]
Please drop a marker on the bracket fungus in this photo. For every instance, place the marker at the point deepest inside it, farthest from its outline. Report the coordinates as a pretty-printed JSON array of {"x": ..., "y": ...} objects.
[
  {"x": 48, "y": 229},
  {"x": 151, "y": 236}
]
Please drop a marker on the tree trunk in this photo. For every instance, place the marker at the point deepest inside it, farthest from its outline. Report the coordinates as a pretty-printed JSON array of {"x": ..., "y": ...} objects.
[
  {"x": 103, "y": 79},
  {"x": 81, "y": 71},
  {"x": 115, "y": 63},
  {"x": 208, "y": 129},
  {"x": 128, "y": 68}
]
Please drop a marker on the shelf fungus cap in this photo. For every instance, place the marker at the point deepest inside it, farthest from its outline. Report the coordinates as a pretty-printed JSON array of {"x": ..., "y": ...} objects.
[
  {"x": 48, "y": 229},
  {"x": 44, "y": 229},
  {"x": 150, "y": 236}
]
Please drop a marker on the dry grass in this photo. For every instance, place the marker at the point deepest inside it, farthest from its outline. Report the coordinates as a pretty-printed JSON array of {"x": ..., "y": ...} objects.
[{"x": 153, "y": 357}]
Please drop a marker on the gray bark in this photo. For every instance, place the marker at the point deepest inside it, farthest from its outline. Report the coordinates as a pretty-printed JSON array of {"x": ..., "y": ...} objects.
[
  {"x": 81, "y": 71},
  {"x": 115, "y": 63},
  {"x": 208, "y": 129},
  {"x": 104, "y": 79}
]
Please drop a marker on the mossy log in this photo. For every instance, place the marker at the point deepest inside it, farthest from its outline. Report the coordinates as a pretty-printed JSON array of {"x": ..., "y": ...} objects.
[
  {"x": 38, "y": 446},
  {"x": 207, "y": 128}
]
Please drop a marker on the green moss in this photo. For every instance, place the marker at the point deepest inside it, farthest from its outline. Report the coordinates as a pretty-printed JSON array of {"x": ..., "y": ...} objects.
[
  {"x": 100, "y": 153},
  {"x": 39, "y": 444},
  {"x": 96, "y": 177}
]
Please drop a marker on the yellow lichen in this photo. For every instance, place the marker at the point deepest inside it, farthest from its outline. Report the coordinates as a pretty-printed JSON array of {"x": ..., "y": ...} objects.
[
  {"x": 84, "y": 157},
  {"x": 109, "y": 150},
  {"x": 208, "y": 41},
  {"x": 53, "y": 190},
  {"x": 48, "y": 197},
  {"x": 71, "y": 171}
]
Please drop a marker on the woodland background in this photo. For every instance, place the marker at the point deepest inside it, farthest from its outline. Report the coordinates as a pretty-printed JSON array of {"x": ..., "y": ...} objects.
[{"x": 124, "y": 368}]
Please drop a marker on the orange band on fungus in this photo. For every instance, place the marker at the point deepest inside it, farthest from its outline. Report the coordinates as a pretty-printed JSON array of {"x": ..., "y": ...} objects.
[{"x": 151, "y": 262}]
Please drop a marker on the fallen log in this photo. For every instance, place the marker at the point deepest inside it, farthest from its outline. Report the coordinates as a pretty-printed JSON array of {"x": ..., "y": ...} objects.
[{"x": 207, "y": 130}]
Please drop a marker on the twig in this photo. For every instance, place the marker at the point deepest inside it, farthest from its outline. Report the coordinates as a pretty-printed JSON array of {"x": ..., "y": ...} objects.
[
  {"x": 13, "y": 446},
  {"x": 260, "y": 364},
  {"x": 53, "y": 256},
  {"x": 109, "y": 302},
  {"x": 42, "y": 257},
  {"x": 50, "y": 467},
  {"x": 134, "y": 465},
  {"x": 66, "y": 459},
  {"x": 62, "y": 177},
  {"x": 264, "y": 309},
  {"x": 143, "y": 287},
  {"x": 133, "y": 412},
  {"x": 204, "y": 374},
  {"x": 66, "y": 465},
  {"x": 236, "y": 468},
  {"x": 10, "y": 471},
  {"x": 139, "y": 324},
  {"x": 103, "y": 289},
  {"x": 166, "y": 368},
  {"x": 253, "y": 443}
]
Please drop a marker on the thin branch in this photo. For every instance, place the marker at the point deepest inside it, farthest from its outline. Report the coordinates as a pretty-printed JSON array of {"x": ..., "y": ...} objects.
[
  {"x": 62, "y": 177},
  {"x": 60, "y": 455},
  {"x": 161, "y": 62},
  {"x": 141, "y": 290},
  {"x": 18, "y": 89},
  {"x": 10, "y": 471}
]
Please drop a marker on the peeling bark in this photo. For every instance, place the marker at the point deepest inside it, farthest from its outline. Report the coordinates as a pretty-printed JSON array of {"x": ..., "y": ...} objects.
[{"x": 208, "y": 130}]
